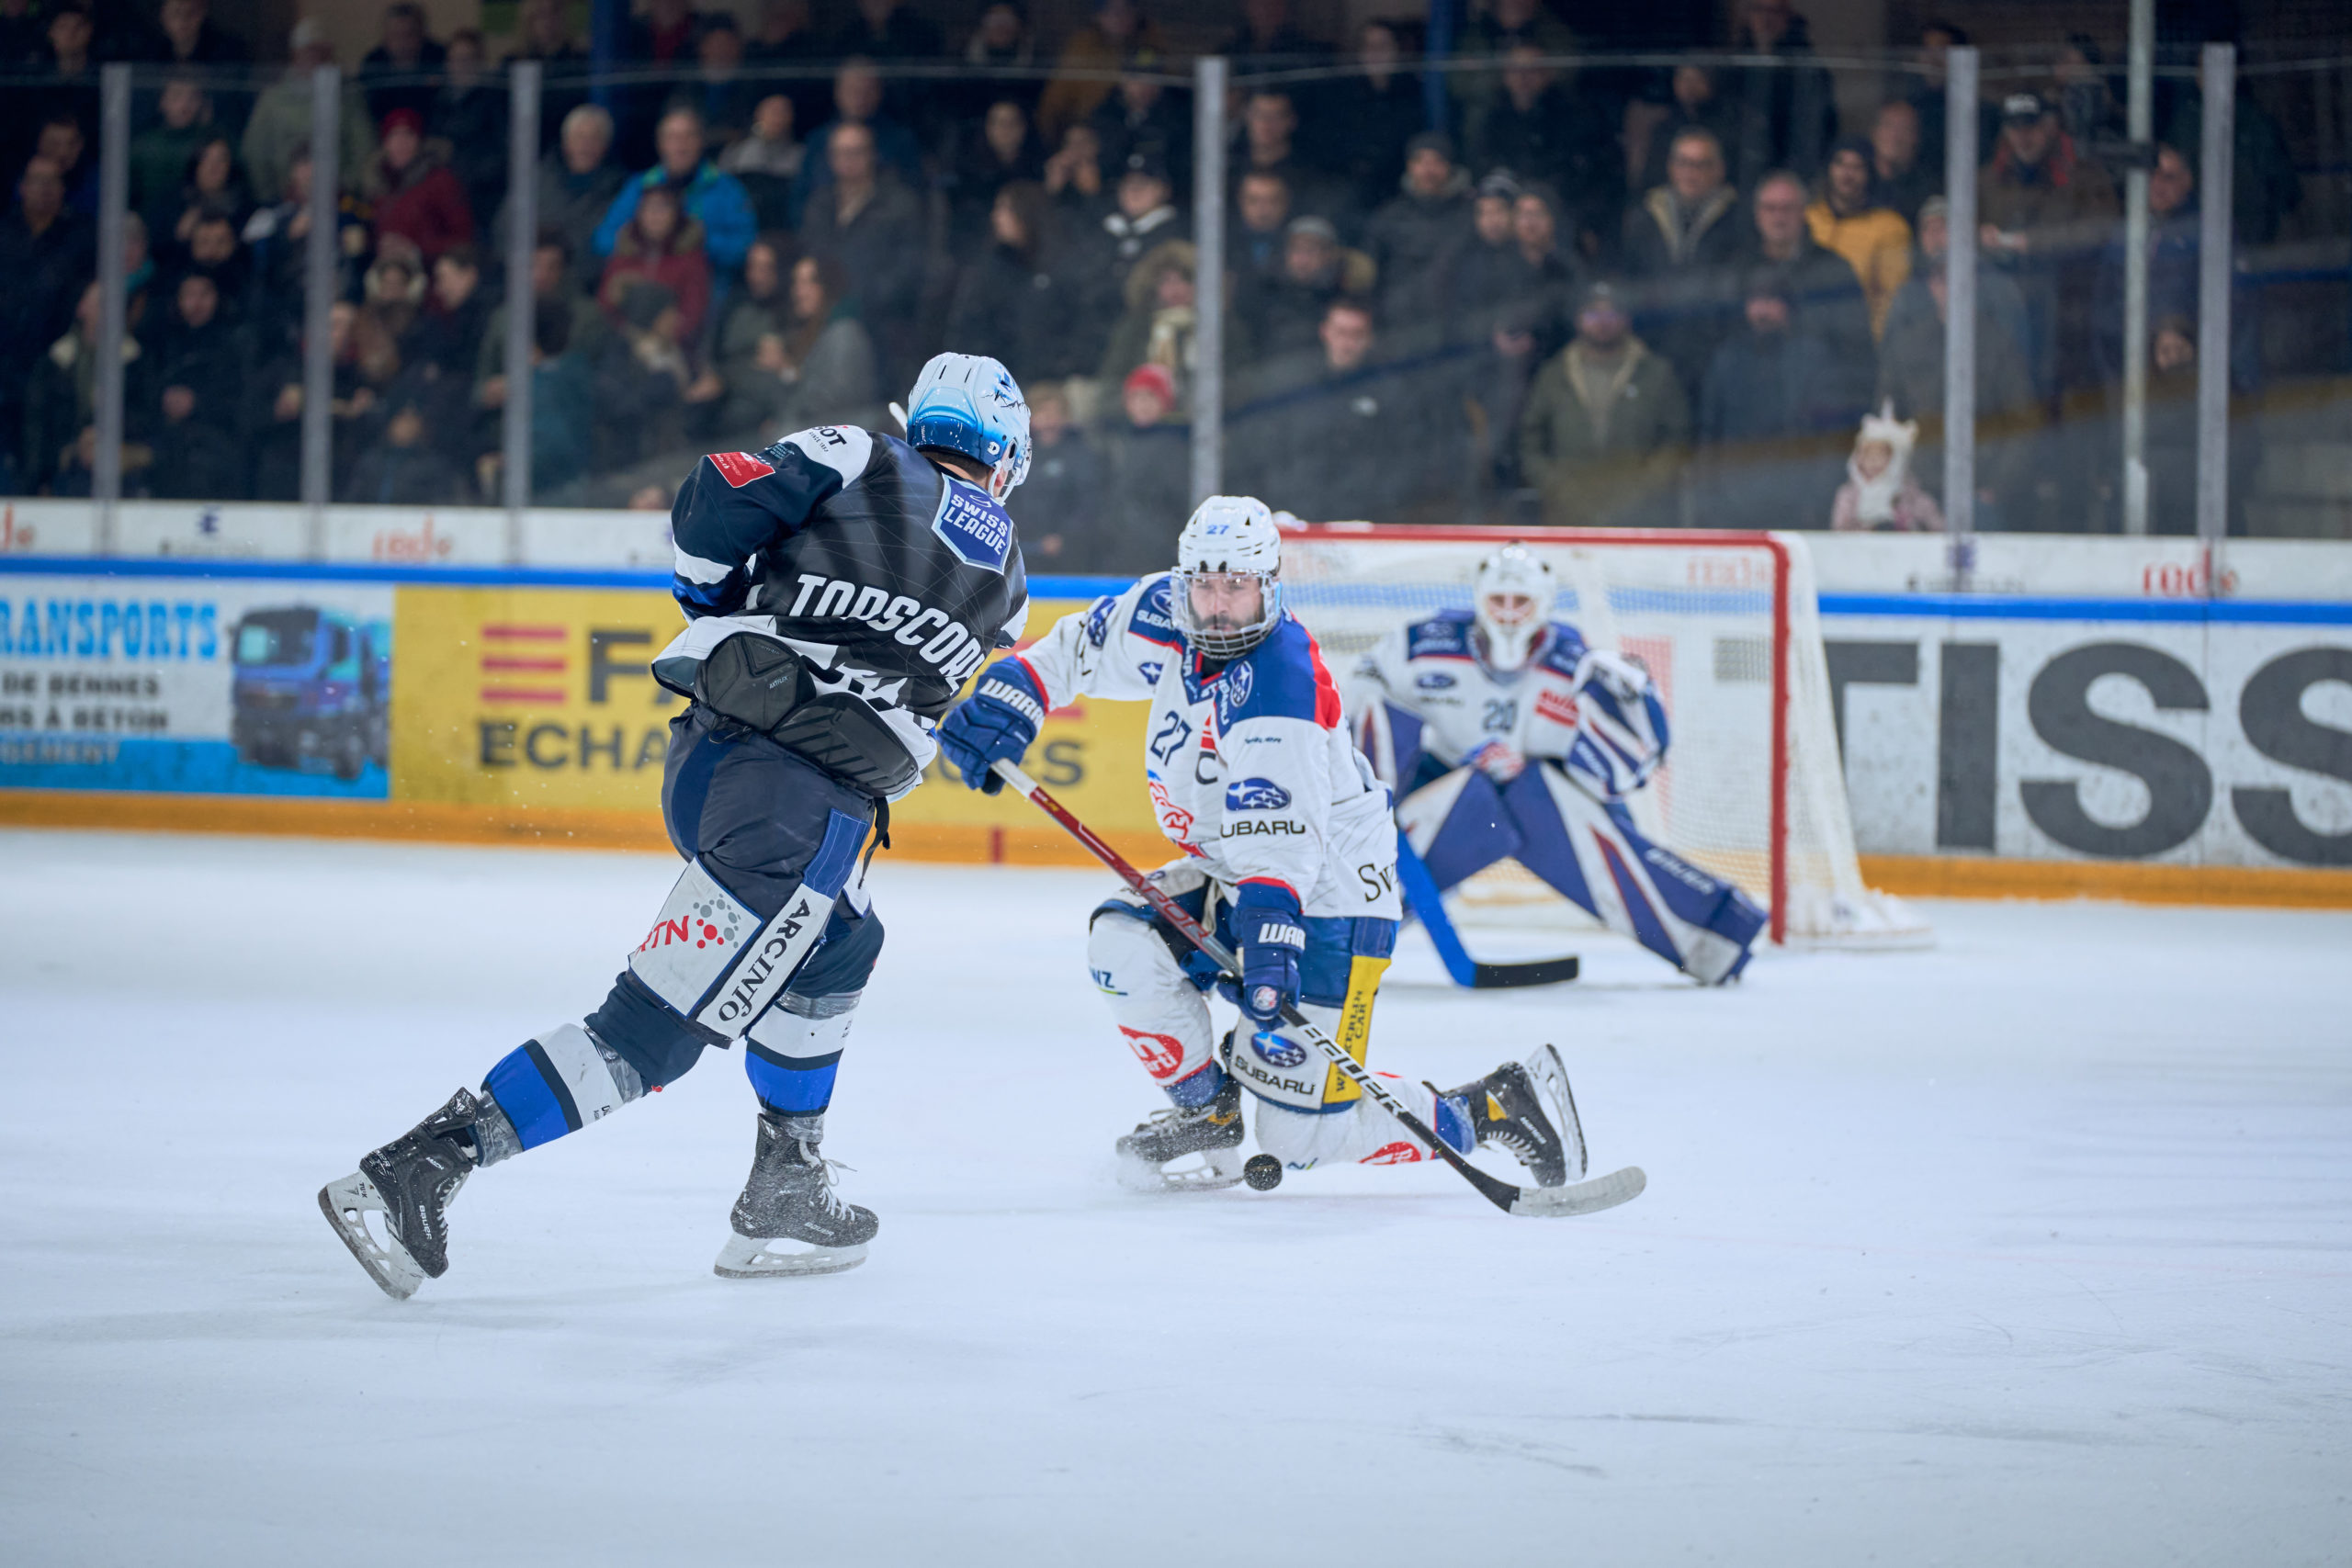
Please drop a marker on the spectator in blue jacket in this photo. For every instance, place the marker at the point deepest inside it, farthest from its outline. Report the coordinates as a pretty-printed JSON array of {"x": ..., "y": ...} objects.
[{"x": 717, "y": 201}]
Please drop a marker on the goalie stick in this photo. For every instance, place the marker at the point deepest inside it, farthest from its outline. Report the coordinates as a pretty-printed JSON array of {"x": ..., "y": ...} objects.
[
  {"x": 1537, "y": 1203},
  {"x": 1424, "y": 903}
]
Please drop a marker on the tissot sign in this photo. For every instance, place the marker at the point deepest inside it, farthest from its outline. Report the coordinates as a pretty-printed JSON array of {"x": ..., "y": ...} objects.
[{"x": 2110, "y": 730}]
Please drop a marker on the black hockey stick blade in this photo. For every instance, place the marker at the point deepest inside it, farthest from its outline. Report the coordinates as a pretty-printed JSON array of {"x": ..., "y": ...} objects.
[
  {"x": 1580, "y": 1197},
  {"x": 1508, "y": 976}
]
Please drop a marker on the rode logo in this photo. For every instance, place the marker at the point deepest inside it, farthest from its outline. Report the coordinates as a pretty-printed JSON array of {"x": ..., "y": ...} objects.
[
  {"x": 1161, "y": 1054},
  {"x": 1399, "y": 1153},
  {"x": 1174, "y": 820},
  {"x": 739, "y": 468},
  {"x": 710, "y": 924}
]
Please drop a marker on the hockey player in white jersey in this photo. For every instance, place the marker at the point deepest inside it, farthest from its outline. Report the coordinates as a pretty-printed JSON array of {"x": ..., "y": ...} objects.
[
  {"x": 1289, "y": 857},
  {"x": 1504, "y": 736}
]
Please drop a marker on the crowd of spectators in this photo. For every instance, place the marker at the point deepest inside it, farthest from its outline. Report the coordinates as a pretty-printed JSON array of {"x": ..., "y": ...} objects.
[{"x": 1605, "y": 295}]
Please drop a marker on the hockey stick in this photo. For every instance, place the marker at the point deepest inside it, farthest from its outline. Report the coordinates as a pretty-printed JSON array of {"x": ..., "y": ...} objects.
[
  {"x": 1543, "y": 1202},
  {"x": 1423, "y": 901}
]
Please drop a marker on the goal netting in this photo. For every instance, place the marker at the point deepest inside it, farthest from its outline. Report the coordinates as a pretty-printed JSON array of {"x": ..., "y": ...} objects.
[{"x": 1727, "y": 625}]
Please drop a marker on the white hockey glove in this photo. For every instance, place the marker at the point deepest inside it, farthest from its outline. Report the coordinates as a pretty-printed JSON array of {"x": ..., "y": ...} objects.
[{"x": 1497, "y": 759}]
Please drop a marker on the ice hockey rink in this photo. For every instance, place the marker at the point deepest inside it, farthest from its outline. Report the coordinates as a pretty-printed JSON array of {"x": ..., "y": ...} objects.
[{"x": 2029, "y": 1250}]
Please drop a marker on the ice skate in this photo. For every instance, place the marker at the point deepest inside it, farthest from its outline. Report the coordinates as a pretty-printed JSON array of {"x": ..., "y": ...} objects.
[
  {"x": 408, "y": 1184},
  {"x": 1213, "y": 1130},
  {"x": 1526, "y": 1109},
  {"x": 789, "y": 1199}
]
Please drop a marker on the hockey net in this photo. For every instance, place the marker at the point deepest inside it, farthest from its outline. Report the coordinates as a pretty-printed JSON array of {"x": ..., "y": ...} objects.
[{"x": 1727, "y": 625}]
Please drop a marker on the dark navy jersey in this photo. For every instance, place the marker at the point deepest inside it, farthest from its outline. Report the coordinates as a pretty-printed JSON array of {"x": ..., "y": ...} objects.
[{"x": 891, "y": 578}]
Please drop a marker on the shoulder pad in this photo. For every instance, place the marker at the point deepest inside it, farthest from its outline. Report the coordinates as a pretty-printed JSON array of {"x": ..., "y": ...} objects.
[
  {"x": 844, "y": 448},
  {"x": 1154, "y": 620},
  {"x": 1564, "y": 650},
  {"x": 1282, "y": 677},
  {"x": 1440, "y": 636}
]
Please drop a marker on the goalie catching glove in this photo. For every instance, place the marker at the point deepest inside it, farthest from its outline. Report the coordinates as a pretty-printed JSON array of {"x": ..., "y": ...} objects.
[{"x": 995, "y": 724}]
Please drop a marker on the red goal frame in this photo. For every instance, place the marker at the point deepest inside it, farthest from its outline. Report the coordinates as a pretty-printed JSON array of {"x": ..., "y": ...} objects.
[{"x": 1729, "y": 538}]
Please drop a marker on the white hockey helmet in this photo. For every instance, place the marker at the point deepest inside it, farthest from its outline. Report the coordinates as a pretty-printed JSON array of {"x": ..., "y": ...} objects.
[
  {"x": 1513, "y": 604},
  {"x": 970, "y": 404},
  {"x": 1229, "y": 536}
]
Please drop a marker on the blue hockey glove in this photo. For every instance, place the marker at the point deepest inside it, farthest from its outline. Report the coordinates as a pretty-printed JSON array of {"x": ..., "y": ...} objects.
[
  {"x": 996, "y": 723},
  {"x": 1272, "y": 935}
]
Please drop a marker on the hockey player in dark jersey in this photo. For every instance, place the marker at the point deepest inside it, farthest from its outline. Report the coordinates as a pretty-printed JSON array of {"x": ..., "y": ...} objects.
[{"x": 838, "y": 586}]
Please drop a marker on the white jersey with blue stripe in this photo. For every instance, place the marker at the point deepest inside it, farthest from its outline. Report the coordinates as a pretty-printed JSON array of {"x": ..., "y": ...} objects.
[{"x": 1249, "y": 762}]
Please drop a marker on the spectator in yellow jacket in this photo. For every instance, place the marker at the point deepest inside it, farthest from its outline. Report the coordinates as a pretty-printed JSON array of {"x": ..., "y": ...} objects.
[{"x": 1874, "y": 240}]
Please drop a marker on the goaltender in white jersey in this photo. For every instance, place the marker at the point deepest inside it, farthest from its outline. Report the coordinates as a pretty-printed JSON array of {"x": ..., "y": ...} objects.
[{"x": 1289, "y": 856}]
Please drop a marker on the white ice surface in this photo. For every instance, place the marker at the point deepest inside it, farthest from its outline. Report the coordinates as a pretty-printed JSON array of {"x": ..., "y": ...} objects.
[{"x": 2031, "y": 1249}]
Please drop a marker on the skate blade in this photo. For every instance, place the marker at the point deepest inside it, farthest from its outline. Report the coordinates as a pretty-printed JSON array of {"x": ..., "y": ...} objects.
[
  {"x": 1582, "y": 1197},
  {"x": 751, "y": 1258},
  {"x": 1218, "y": 1169},
  {"x": 1551, "y": 1076},
  {"x": 347, "y": 1204}
]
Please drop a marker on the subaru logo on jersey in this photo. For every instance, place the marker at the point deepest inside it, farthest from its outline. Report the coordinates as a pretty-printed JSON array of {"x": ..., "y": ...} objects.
[
  {"x": 1098, "y": 620},
  {"x": 1277, "y": 1051},
  {"x": 975, "y": 527},
  {"x": 1256, "y": 795},
  {"x": 1150, "y": 672},
  {"x": 1434, "y": 683},
  {"x": 1233, "y": 691}
]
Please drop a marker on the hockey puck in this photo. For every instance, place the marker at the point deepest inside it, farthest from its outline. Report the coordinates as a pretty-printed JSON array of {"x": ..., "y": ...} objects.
[{"x": 1263, "y": 1173}]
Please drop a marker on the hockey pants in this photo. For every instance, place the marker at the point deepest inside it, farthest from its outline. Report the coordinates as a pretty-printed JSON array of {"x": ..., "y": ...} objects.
[
  {"x": 1592, "y": 854},
  {"x": 768, "y": 937},
  {"x": 1308, "y": 1112}
]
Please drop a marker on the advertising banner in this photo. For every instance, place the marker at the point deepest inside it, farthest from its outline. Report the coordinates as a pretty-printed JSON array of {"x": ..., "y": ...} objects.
[{"x": 198, "y": 686}]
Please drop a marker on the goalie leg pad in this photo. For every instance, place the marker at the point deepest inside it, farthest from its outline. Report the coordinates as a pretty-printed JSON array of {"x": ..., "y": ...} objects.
[{"x": 1458, "y": 826}]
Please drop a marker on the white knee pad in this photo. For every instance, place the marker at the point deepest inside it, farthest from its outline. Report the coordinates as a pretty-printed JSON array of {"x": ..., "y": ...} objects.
[
  {"x": 1163, "y": 1020},
  {"x": 714, "y": 961},
  {"x": 1363, "y": 1133}
]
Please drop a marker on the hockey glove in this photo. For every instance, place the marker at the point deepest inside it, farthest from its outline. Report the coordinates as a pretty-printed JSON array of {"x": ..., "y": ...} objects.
[
  {"x": 995, "y": 724},
  {"x": 1273, "y": 936}
]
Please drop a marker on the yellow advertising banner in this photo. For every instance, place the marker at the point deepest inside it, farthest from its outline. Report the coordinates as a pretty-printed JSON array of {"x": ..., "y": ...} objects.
[{"x": 537, "y": 704}]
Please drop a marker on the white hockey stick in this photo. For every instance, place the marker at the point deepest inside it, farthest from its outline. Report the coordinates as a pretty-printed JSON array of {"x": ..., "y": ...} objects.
[{"x": 1543, "y": 1202}]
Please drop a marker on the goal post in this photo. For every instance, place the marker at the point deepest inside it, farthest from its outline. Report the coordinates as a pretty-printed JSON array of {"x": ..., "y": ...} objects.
[{"x": 1727, "y": 623}]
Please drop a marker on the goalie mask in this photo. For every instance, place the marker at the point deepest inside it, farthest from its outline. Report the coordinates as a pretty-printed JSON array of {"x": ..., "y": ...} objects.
[
  {"x": 1513, "y": 605},
  {"x": 1230, "y": 541}
]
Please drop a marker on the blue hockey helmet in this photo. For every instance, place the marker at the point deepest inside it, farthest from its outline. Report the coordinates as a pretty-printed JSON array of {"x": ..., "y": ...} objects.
[{"x": 970, "y": 404}]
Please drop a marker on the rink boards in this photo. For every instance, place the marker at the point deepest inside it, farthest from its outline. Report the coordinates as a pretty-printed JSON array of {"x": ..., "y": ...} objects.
[{"x": 2173, "y": 748}]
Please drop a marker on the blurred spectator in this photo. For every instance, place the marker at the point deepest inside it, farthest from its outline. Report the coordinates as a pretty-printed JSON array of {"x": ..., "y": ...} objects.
[
  {"x": 1284, "y": 314},
  {"x": 1150, "y": 462},
  {"x": 1119, "y": 27},
  {"x": 858, "y": 101},
  {"x": 1411, "y": 238},
  {"x": 160, "y": 154},
  {"x": 1253, "y": 248},
  {"x": 64, "y": 143},
  {"x": 275, "y": 238},
  {"x": 784, "y": 38},
  {"x": 1694, "y": 103},
  {"x": 1482, "y": 272},
  {"x": 1103, "y": 259},
  {"x": 2173, "y": 276},
  {"x": 405, "y": 467},
  {"x": 1537, "y": 128},
  {"x": 661, "y": 244},
  {"x": 578, "y": 185},
  {"x": 2088, "y": 106},
  {"x": 825, "y": 360},
  {"x": 1062, "y": 502},
  {"x": 365, "y": 361},
  {"x": 1772, "y": 392},
  {"x": 889, "y": 29},
  {"x": 1682, "y": 244},
  {"x": 1788, "y": 111},
  {"x": 1606, "y": 424},
  {"x": 190, "y": 38},
  {"x": 213, "y": 250},
  {"x": 1269, "y": 145},
  {"x": 456, "y": 314},
  {"x": 663, "y": 34},
  {"x": 713, "y": 200},
  {"x": 1004, "y": 150},
  {"x": 2008, "y": 412},
  {"x": 757, "y": 314},
  {"x": 543, "y": 33},
  {"x": 200, "y": 384},
  {"x": 2263, "y": 188},
  {"x": 411, "y": 190},
  {"x": 1900, "y": 179},
  {"x": 280, "y": 125},
  {"x": 1141, "y": 117},
  {"x": 1928, "y": 94},
  {"x": 2043, "y": 208},
  {"x": 208, "y": 184},
  {"x": 1074, "y": 184},
  {"x": 1160, "y": 320},
  {"x": 1358, "y": 123},
  {"x": 720, "y": 87},
  {"x": 46, "y": 254},
  {"x": 1267, "y": 38},
  {"x": 645, "y": 382},
  {"x": 394, "y": 288},
  {"x": 69, "y": 84},
  {"x": 1350, "y": 438},
  {"x": 1823, "y": 287},
  {"x": 1872, "y": 239},
  {"x": 1530, "y": 321},
  {"x": 1997, "y": 291},
  {"x": 22, "y": 39},
  {"x": 767, "y": 162},
  {"x": 2171, "y": 447},
  {"x": 552, "y": 288},
  {"x": 1009, "y": 304},
  {"x": 870, "y": 224},
  {"x": 60, "y": 403},
  {"x": 1880, "y": 493},
  {"x": 563, "y": 403},
  {"x": 470, "y": 116},
  {"x": 397, "y": 73}
]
